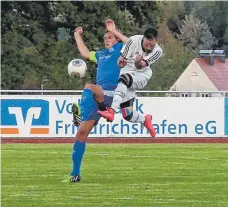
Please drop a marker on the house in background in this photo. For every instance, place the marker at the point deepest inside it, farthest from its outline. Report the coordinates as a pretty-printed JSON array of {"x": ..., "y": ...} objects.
[{"x": 208, "y": 73}]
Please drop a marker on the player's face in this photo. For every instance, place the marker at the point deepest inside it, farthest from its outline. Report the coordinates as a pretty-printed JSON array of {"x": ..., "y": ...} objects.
[
  {"x": 148, "y": 44},
  {"x": 109, "y": 40}
]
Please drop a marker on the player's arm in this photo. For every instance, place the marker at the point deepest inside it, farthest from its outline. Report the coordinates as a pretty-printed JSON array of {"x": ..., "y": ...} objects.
[
  {"x": 84, "y": 51},
  {"x": 153, "y": 57},
  {"x": 125, "y": 53},
  {"x": 122, "y": 62},
  {"x": 111, "y": 27},
  {"x": 140, "y": 62}
]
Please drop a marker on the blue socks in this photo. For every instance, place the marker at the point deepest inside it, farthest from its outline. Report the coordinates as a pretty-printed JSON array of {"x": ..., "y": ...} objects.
[
  {"x": 77, "y": 155},
  {"x": 86, "y": 107}
]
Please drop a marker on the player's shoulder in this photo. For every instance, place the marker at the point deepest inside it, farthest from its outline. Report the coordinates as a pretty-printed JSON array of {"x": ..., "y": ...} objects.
[
  {"x": 136, "y": 37},
  {"x": 103, "y": 50},
  {"x": 157, "y": 48},
  {"x": 118, "y": 45}
]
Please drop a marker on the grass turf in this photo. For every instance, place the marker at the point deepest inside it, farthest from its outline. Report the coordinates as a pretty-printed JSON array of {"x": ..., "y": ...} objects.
[{"x": 157, "y": 175}]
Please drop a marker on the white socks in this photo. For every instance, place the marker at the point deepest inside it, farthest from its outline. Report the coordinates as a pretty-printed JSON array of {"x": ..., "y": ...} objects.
[
  {"x": 120, "y": 92},
  {"x": 137, "y": 117}
]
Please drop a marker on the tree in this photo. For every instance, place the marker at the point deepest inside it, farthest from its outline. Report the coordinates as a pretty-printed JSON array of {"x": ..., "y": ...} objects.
[
  {"x": 225, "y": 46},
  {"x": 173, "y": 14},
  {"x": 144, "y": 14},
  {"x": 195, "y": 35},
  {"x": 215, "y": 14},
  {"x": 23, "y": 41}
]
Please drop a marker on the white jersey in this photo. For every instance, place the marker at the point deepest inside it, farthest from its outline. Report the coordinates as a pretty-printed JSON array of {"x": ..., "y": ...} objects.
[{"x": 133, "y": 47}]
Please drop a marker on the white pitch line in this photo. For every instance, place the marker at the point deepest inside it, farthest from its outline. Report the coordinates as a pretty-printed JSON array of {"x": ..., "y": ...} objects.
[{"x": 151, "y": 156}]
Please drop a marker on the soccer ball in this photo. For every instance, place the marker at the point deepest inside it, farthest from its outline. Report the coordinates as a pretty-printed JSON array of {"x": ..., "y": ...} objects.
[{"x": 77, "y": 67}]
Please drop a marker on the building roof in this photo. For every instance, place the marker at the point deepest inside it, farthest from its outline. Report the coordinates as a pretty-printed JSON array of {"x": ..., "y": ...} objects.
[{"x": 217, "y": 73}]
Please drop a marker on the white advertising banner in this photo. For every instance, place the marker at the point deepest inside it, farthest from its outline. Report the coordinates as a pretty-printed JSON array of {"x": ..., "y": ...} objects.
[{"x": 50, "y": 116}]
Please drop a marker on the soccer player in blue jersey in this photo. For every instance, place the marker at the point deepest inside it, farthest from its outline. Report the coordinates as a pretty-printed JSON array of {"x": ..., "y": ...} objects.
[{"x": 99, "y": 96}]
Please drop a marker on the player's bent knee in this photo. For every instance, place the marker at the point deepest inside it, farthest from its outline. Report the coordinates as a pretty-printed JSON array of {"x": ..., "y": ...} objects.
[
  {"x": 96, "y": 89},
  {"x": 126, "y": 79},
  {"x": 127, "y": 109},
  {"x": 89, "y": 86},
  {"x": 129, "y": 117},
  {"x": 127, "y": 113}
]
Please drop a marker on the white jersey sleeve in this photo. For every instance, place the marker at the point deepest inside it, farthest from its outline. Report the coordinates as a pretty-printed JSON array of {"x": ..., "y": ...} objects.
[
  {"x": 154, "y": 55},
  {"x": 128, "y": 48}
]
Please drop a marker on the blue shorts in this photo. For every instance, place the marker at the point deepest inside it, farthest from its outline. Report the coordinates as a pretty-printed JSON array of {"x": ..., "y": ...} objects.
[{"x": 89, "y": 107}]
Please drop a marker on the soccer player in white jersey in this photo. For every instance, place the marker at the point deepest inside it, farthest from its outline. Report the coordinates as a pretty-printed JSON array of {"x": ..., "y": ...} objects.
[{"x": 137, "y": 55}]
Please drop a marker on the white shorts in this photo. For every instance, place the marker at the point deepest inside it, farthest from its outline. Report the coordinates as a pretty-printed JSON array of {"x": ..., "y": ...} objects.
[{"x": 140, "y": 80}]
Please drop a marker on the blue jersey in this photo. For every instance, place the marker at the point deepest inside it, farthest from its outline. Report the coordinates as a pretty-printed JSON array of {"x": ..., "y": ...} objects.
[
  {"x": 108, "y": 70},
  {"x": 107, "y": 77}
]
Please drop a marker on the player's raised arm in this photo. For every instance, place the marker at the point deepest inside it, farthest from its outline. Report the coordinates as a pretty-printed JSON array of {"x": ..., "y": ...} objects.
[
  {"x": 111, "y": 27},
  {"x": 84, "y": 51}
]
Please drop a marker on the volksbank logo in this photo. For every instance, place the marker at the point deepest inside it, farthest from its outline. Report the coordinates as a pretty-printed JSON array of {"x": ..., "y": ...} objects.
[{"x": 24, "y": 116}]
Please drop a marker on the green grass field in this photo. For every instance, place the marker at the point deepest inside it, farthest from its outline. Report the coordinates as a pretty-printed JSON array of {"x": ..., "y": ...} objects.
[{"x": 157, "y": 175}]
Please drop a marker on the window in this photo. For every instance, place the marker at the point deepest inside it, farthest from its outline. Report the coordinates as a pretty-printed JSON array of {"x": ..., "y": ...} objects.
[
  {"x": 204, "y": 95},
  {"x": 184, "y": 94}
]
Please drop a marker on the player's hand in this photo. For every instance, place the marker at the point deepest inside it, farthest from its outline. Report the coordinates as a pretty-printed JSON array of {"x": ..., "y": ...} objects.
[
  {"x": 138, "y": 58},
  {"x": 78, "y": 31},
  {"x": 110, "y": 25},
  {"x": 139, "y": 64},
  {"x": 122, "y": 62}
]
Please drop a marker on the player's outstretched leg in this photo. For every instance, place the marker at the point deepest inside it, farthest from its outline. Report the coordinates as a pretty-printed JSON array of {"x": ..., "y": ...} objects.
[{"x": 136, "y": 117}]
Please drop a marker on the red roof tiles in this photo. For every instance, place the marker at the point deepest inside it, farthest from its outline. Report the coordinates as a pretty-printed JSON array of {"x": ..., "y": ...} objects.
[{"x": 218, "y": 73}]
